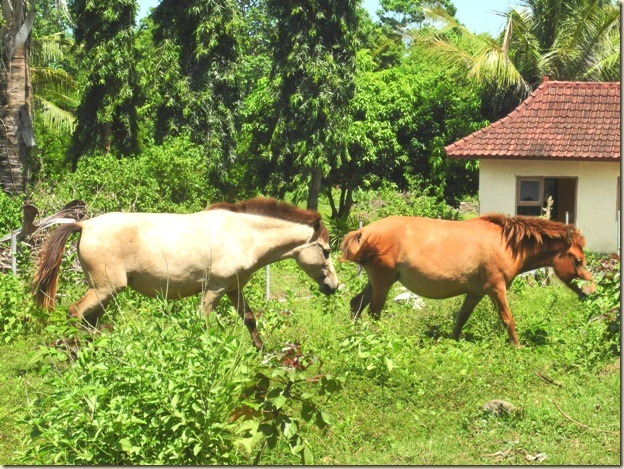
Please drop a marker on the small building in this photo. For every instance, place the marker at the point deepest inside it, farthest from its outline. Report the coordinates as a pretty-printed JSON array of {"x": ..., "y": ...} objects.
[{"x": 562, "y": 142}]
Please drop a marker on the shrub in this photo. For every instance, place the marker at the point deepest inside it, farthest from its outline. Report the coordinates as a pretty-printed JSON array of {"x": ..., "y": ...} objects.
[
  {"x": 604, "y": 305},
  {"x": 387, "y": 201},
  {"x": 15, "y": 307},
  {"x": 370, "y": 353},
  {"x": 172, "y": 390},
  {"x": 168, "y": 178},
  {"x": 10, "y": 213}
]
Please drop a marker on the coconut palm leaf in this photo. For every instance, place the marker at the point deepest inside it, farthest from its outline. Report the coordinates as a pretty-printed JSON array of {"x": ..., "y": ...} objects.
[
  {"x": 55, "y": 90},
  {"x": 587, "y": 46},
  {"x": 478, "y": 58},
  {"x": 55, "y": 81},
  {"x": 576, "y": 40},
  {"x": 51, "y": 48},
  {"x": 53, "y": 117}
]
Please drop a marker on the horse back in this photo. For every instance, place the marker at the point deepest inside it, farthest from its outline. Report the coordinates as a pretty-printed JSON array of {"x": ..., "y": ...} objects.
[
  {"x": 377, "y": 243},
  {"x": 443, "y": 252},
  {"x": 178, "y": 253}
]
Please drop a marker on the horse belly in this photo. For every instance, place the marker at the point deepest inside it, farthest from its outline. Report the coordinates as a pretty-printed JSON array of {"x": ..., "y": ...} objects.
[
  {"x": 155, "y": 285},
  {"x": 176, "y": 276},
  {"x": 438, "y": 284}
]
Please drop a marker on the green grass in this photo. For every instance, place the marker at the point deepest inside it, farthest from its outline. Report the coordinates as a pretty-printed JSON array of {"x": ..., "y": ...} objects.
[
  {"x": 410, "y": 394},
  {"x": 20, "y": 382}
]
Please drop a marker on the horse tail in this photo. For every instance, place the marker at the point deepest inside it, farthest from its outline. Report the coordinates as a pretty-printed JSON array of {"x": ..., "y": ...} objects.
[
  {"x": 357, "y": 248},
  {"x": 45, "y": 280}
]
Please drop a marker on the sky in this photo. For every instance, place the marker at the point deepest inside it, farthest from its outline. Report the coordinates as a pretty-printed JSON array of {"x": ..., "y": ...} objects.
[{"x": 477, "y": 15}]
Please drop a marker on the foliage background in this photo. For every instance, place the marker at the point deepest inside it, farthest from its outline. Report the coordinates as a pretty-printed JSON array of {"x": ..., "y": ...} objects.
[{"x": 197, "y": 103}]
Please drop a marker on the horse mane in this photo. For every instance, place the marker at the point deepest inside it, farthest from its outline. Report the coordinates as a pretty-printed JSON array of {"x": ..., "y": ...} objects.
[
  {"x": 523, "y": 232},
  {"x": 269, "y": 207}
]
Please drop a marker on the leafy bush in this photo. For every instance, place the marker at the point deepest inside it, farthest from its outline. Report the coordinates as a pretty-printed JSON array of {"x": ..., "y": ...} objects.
[
  {"x": 604, "y": 305},
  {"x": 338, "y": 228},
  {"x": 14, "y": 307},
  {"x": 171, "y": 390},
  {"x": 387, "y": 201},
  {"x": 168, "y": 178},
  {"x": 10, "y": 213},
  {"x": 371, "y": 352}
]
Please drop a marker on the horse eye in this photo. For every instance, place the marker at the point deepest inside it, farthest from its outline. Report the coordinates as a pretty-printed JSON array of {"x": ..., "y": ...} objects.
[
  {"x": 326, "y": 253},
  {"x": 578, "y": 261}
]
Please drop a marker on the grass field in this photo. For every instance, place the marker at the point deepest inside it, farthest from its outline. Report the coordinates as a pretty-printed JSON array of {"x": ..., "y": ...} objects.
[{"x": 404, "y": 392}]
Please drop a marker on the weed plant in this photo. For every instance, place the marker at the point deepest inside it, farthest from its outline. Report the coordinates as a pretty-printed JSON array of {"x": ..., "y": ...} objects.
[
  {"x": 169, "y": 386},
  {"x": 173, "y": 388}
]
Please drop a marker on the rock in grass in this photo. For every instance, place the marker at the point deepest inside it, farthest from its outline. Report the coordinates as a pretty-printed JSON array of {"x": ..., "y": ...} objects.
[
  {"x": 498, "y": 407},
  {"x": 410, "y": 298}
]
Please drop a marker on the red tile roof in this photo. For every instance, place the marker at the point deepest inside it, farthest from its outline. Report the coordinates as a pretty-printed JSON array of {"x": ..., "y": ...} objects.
[{"x": 559, "y": 120}]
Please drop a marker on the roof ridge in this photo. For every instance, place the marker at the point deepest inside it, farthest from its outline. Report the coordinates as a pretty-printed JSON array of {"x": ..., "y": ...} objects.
[{"x": 581, "y": 83}]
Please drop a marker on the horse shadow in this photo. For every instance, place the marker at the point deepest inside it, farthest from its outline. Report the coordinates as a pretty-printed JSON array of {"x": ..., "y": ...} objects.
[{"x": 537, "y": 336}]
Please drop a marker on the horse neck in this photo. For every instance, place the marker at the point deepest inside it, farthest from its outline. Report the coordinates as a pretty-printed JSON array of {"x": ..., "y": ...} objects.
[
  {"x": 539, "y": 256},
  {"x": 277, "y": 239}
]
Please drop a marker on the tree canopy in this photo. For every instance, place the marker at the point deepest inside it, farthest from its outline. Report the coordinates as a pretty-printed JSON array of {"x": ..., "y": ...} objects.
[{"x": 300, "y": 99}]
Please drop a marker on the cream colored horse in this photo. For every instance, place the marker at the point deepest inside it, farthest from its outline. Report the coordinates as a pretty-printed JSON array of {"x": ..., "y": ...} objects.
[{"x": 214, "y": 251}]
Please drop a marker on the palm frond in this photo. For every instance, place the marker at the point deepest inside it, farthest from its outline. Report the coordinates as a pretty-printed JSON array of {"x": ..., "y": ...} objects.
[
  {"x": 478, "y": 58},
  {"x": 51, "y": 48},
  {"x": 584, "y": 43},
  {"x": 53, "y": 117},
  {"x": 49, "y": 82}
]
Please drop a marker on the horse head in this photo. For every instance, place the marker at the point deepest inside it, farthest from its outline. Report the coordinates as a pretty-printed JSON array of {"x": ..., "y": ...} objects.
[
  {"x": 313, "y": 258},
  {"x": 569, "y": 265}
]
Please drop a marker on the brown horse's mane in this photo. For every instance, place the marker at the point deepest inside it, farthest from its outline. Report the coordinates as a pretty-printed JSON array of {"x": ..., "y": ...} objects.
[
  {"x": 523, "y": 232},
  {"x": 269, "y": 207}
]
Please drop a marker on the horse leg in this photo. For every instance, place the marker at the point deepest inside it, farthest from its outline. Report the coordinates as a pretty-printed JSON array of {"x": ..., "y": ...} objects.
[
  {"x": 103, "y": 284},
  {"x": 91, "y": 306},
  {"x": 242, "y": 307},
  {"x": 468, "y": 306},
  {"x": 361, "y": 301},
  {"x": 499, "y": 298},
  {"x": 211, "y": 300},
  {"x": 381, "y": 278}
]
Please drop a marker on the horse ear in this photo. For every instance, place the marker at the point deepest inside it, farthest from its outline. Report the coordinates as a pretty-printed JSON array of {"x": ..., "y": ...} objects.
[{"x": 570, "y": 235}]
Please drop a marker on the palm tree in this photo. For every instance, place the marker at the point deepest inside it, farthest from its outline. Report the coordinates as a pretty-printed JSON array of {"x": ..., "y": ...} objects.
[
  {"x": 16, "y": 135},
  {"x": 574, "y": 40},
  {"x": 26, "y": 79}
]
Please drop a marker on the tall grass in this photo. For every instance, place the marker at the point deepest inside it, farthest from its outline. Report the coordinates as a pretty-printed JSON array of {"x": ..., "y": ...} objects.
[{"x": 170, "y": 386}]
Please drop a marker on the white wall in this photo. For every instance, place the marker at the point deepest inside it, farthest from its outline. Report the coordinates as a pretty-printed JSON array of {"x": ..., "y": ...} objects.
[{"x": 595, "y": 200}]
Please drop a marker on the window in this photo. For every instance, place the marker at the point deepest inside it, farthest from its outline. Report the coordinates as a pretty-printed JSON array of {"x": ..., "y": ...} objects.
[
  {"x": 532, "y": 194},
  {"x": 529, "y": 197}
]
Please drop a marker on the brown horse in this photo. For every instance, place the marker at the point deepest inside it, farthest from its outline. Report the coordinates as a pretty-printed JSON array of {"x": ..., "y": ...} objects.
[
  {"x": 214, "y": 251},
  {"x": 441, "y": 259}
]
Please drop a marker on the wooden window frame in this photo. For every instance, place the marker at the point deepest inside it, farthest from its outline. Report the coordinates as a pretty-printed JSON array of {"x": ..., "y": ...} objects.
[
  {"x": 542, "y": 186},
  {"x": 523, "y": 203}
]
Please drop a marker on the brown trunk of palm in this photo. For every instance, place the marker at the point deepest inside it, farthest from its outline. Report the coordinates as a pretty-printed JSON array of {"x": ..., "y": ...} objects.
[{"x": 16, "y": 135}]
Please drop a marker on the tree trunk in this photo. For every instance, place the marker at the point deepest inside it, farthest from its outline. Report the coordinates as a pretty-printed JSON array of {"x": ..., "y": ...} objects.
[
  {"x": 16, "y": 133},
  {"x": 314, "y": 188}
]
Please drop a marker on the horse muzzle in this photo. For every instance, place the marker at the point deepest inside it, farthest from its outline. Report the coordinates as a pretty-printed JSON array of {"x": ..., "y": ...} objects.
[
  {"x": 327, "y": 286},
  {"x": 584, "y": 288}
]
